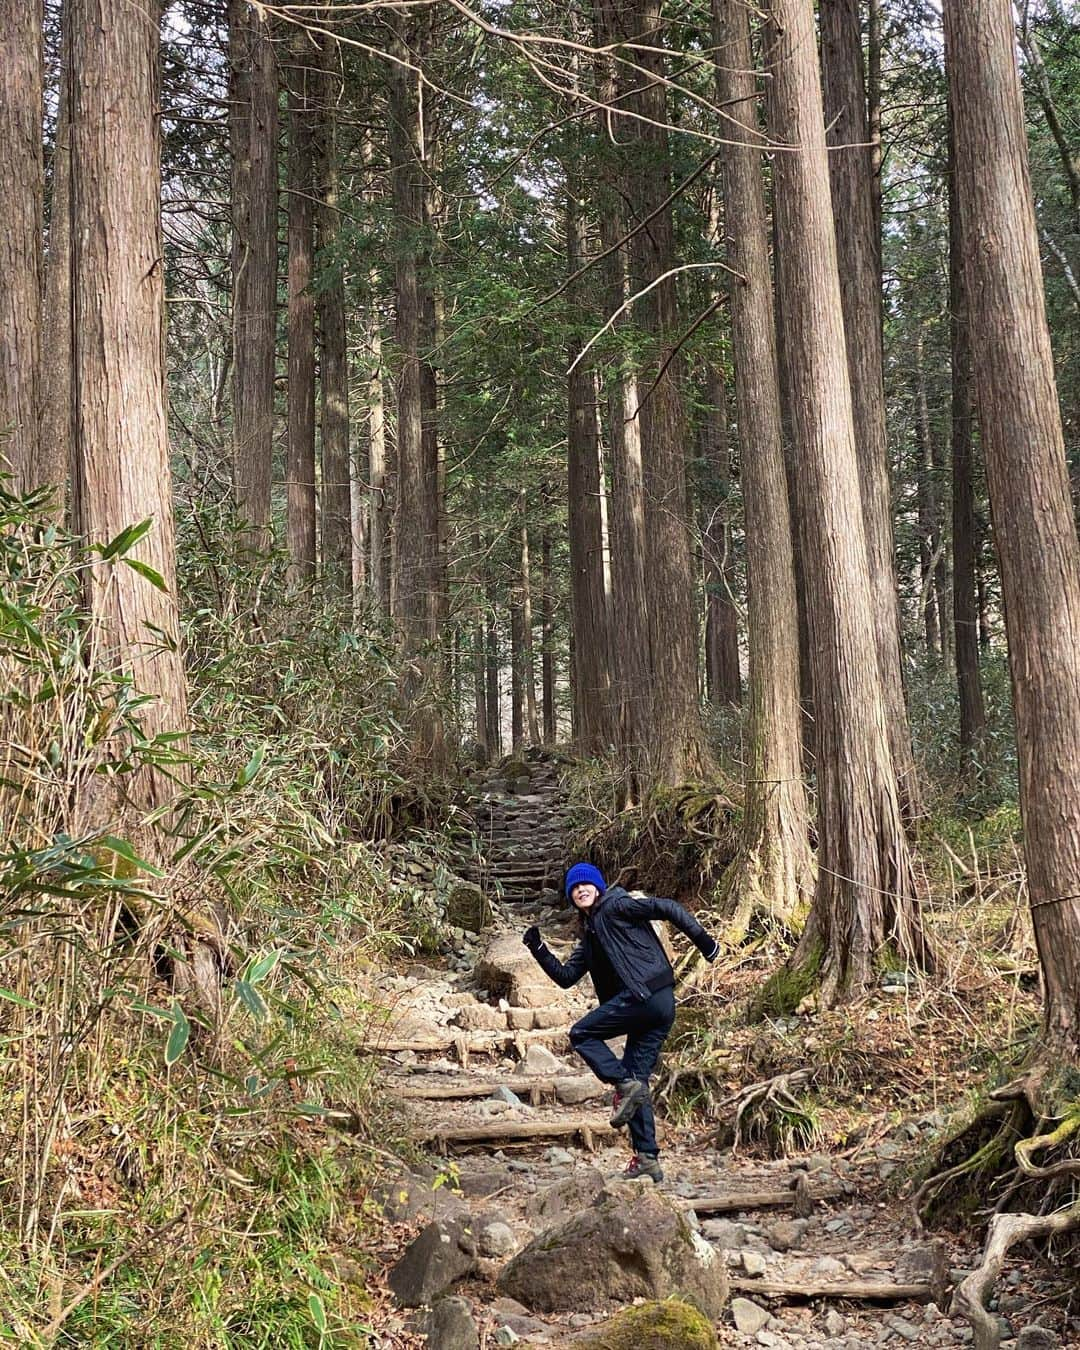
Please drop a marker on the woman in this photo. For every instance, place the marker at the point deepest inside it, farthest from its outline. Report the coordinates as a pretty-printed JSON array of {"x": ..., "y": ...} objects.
[{"x": 635, "y": 984}]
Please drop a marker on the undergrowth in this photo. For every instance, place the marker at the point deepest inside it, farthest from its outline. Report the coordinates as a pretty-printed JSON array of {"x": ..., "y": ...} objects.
[{"x": 177, "y": 1173}]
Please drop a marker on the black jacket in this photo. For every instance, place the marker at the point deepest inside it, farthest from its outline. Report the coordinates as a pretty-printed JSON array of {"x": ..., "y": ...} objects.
[{"x": 620, "y": 924}]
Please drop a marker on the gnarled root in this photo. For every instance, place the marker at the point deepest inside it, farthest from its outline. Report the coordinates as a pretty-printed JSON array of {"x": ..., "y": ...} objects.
[{"x": 1006, "y": 1230}]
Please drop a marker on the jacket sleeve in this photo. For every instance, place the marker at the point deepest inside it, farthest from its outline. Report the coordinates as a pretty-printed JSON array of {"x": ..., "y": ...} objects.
[
  {"x": 643, "y": 909},
  {"x": 564, "y": 973}
]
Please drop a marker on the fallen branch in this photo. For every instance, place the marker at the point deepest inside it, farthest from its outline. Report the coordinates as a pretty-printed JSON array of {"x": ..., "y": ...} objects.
[{"x": 1006, "y": 1230}]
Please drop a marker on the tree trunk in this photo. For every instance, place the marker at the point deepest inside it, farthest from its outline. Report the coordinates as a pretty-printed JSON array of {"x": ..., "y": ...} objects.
[
  {"x": 55, "y": 445},
  {"x": 528, "y": 663},
  {"x": 675, "y": 748},
  {"x": 121, "y": 451},
  {"x": 517, "y": 722},
  {"x": 858, "y": 247},
  {"x": 965, "y": 584},
  {"x": 547, "y": 629},
  {"x": 379, "y": 504},
  {"x": 865, "y": 893},
  {"x": 924, "y": 477},
  {"x": 591, "y": 686},
  {"x": 300, "y": 467},
  {"x": 494, "y": 708},
  {"x": 1028, "y": 482},
  {"x": 22, "y": 187},
  {"x": 483, "y": 747},
  {"x": 336, "y": 512},
  {"x": 723, "y": 679},
  {"x": 253, "y": 127},
  {"x": 773, "y": 873}
]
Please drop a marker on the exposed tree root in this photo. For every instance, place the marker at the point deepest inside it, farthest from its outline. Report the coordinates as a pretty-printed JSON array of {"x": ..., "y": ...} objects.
[
  {"x": 1006, "y": 1230},
  {"x": 768, "y": 1113},
  {"x": 997, "y": 1154}
]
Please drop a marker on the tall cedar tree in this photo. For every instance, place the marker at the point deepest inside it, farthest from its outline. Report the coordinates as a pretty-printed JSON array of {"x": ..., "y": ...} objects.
[
  {"x": 336, "y": 507},
  {"x": 121, "y": 450},
  {"x": 851, "y": 171},
  {"x": 1028, "y": 482},
  {"x": 773, "y": 872},
  {"x": 674, "y": 746},
  {"x": 22, "y": 178},
  {"x": 54, "y": 449},
  {"x": 629, "y": 645},
  {"x": 723, "y": 678},
  {"x": 588, "y": 604},
  {"x": 865, "y": 894},
  {"x": 964, "y": 541},
  {"x": 253, "y": 128},
  {"x": 302, "y": 79}
]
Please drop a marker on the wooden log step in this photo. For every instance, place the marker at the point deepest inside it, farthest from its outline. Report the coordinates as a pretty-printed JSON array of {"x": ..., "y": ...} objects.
[
  {"x": 706, "y": 1206},
  {"x": 473, "y": 1041},
  {"x": 504, "y": 1133},
  {"x": 866, "y": 1291}
]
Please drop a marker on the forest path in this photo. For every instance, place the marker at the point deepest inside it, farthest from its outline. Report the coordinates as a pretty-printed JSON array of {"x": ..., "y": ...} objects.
[{"x": 819, "y": 1254}]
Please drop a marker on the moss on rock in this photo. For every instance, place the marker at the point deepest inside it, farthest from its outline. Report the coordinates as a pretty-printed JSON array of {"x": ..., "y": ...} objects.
[{"x": 671, "y": 1325}]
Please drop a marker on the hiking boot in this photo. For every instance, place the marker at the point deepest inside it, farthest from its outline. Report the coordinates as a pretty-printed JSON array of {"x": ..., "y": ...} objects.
[
  {"x": 630, "y": 1097},
  {"x": 643, "y": 1165}
]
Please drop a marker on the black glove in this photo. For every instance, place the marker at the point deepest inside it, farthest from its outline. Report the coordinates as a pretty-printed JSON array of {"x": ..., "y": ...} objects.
[
  {"x": 532, "y": 939},
  {"x": 711, "y": 956}
]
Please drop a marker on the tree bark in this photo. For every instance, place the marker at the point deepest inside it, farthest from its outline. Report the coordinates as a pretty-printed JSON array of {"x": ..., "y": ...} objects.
[
  {"x": 55, "y": 450},
  {"x": 517, "y": 722},
  {"x": 494, "y": 705},
  {"x": 300, "y": 467},
  {"x": 924, "y": 478},
  {"x": 865, "y": 893},
  {"x": 253, "y": 127},
  {"x": 773, "y": 873},
  {"x": 22, "y": 187},
  {"x": 723, "y": 678},
  {"x": 483, "y": 747},
  {"x": 858, "y": 247},
  {"x": 379, "y": 498},
  {"x": 121, "y": 451},
  {"x": 1028, "y": 482},
  {"x": 591, "y": 685},
  {"x": 336, "y": 506},
  {"x": 965, "y": 584}
]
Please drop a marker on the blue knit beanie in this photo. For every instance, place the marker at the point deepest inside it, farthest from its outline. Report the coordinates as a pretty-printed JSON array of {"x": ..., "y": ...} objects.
[{"x": 585, "y": 872}]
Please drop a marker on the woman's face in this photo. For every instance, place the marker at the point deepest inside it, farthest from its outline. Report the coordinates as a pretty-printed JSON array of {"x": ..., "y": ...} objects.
[{"x": 584, "y": 895}]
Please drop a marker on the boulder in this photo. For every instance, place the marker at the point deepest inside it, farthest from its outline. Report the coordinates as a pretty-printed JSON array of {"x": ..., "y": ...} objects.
[
  {"x": 630, "y": 1244},
  {"x": 539, "y": 1060},
  {"x": 497, "y": 1239},
  {"x": 467, "y": 907},
  {"x": 450, "y": 1326},
  {"x": 409, "y": 1196},
  {"x": 441, "y": 1254},
  {"x": 749, "y": 1316},
  {"x": 506, "y": 970},
  {"x": 566, "y": 1197},
  {"x": 671, "y": 1325}
]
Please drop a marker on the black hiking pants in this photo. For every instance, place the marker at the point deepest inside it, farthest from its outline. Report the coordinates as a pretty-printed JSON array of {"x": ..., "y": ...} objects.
[{"x": 645, "y": 1026}]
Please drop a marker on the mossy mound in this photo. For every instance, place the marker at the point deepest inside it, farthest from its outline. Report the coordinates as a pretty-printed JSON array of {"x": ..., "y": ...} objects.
[
  {"x": 467, "y": 907},
  {"x": 671, "y": 1325}
]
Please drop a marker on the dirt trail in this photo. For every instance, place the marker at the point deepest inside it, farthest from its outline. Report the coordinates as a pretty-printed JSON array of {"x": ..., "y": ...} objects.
[{"x": 818, "y": 1253}]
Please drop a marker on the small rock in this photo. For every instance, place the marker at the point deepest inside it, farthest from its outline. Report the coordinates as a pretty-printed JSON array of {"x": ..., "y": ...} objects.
[
  {"x": 450, "y": 1325},
  {"x": 785, "y": 1234},
  {"x": 749, "y": 1317},
  {"x": 504, "y": 1094},
  {"x": 538, "y": 1060},
  {"x": 754, "y": 1263},
  {"x": 496, "y": 1239},
  {"x": 725, "y": 1233},
  {"x": 908, "y": 1330},
  {"x": 835, "y": 1323},
  {"x": 492, "y": 1107},
  {"x": 574, "y": 1091},
  {"x": 1037, "y": 1338},
  {"x": 519, "y": 1019},
  {"x": 828, "y": 1265},
  {"x": 838, "y": 1225},
  {"x": 506, "y": 1336},
  {"x": 560, "y": 1157}
]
